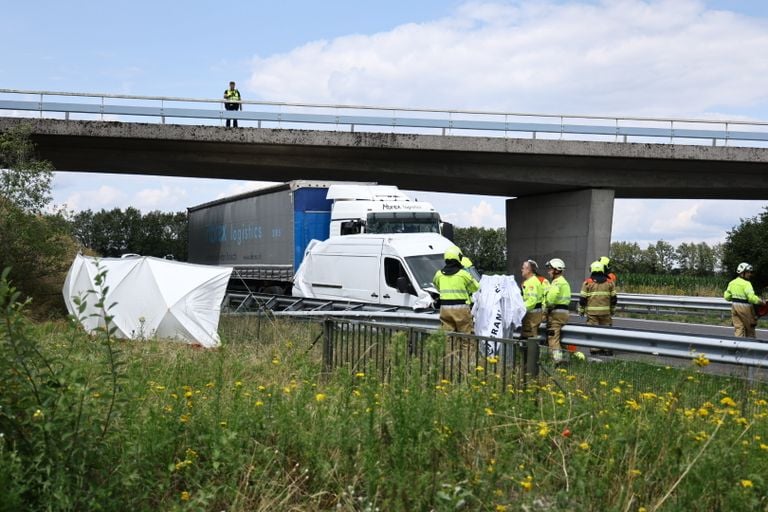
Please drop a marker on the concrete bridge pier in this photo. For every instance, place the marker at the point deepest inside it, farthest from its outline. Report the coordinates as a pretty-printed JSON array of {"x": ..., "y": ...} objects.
[{"x": 572, "y": 226}]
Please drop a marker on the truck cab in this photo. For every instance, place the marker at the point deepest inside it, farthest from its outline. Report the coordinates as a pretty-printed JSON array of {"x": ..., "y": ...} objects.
[{"x": 379, "y": 209}]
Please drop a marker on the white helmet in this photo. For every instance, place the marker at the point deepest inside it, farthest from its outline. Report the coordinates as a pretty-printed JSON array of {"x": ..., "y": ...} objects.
[
  {"x": 557, "y": 264},
  {"x": 743, "y": 267}
]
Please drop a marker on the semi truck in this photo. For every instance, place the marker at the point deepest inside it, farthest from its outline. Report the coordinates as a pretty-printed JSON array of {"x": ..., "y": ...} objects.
[{"x": 263, "y": 234}]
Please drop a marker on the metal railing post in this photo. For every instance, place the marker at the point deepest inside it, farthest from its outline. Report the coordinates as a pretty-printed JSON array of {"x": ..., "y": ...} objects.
[
  {"x": 328, "y": 344},
  {"x": 532, "y": 357}
]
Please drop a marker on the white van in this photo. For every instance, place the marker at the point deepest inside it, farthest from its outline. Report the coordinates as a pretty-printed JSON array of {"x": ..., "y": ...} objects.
[{"x": 394, "y": 269}]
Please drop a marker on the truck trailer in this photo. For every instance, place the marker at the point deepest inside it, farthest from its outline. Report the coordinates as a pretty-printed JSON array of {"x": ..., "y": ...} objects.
[{"x": 263, "y": 234}]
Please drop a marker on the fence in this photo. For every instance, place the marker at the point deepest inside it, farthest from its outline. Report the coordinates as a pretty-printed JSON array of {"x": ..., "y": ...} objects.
[
  {"x": 511, "y": 364},
  {"x": 73, "y": 105}
]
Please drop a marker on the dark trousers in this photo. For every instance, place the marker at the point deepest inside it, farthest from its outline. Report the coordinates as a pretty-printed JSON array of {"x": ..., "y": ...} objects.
[{"x": 232, "y": 106}]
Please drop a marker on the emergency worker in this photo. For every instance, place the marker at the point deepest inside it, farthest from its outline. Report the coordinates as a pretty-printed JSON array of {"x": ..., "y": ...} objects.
[
  {"x": 557, "y": 299},
  {"x": 456, "y": 287},
  {"x": 232, "y": 95},
  {"x": 606, "y": 261},
  {"x": 533, "y": 297},
  {"x": 598, "y": 299},
  {"x": 743, "y": 298},
  {"x": 598, "y": 296}
]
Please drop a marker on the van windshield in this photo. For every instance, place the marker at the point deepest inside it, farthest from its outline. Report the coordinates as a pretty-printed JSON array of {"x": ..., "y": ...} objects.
[{"x": 424, "y": 268}]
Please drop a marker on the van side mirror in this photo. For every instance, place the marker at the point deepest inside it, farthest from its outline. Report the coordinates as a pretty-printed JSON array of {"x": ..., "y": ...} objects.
[
  {"x": 447, "y": 230},
  {"x": 404, "y": 285}
]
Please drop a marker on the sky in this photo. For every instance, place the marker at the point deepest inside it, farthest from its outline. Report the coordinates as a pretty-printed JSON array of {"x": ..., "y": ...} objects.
[{"x": 691, "y": 59}]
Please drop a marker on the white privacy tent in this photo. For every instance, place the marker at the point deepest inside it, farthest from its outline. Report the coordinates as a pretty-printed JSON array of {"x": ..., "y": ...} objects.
[{"x": 153, "y": 297}]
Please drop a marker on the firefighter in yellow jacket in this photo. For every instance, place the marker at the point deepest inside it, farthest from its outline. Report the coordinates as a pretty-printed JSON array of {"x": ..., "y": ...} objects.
[
  {"x": 743, "y": 298},
  {"x": 557, "y": 299},
  {"x": 534, "y": 288},
  {"x": 456, "y": 287}
]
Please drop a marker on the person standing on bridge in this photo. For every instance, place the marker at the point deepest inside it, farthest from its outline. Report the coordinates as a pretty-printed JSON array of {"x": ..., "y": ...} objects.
[
  {"x": 456, "y": 287},
  {"x": 558, "y": 297},
  {"x": 534, "y": 289},
  {"x": 232, "y": 95},
  {"x": 743, "y": 298}
]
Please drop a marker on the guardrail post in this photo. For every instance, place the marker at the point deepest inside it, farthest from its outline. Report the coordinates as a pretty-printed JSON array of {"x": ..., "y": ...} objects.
[
  {"x": 328, "y": 344},
  {"x": 532, "y": 356}
]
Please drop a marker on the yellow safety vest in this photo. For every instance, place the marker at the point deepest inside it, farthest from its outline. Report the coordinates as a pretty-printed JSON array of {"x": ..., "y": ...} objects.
[{"x": 740, "y": 290}]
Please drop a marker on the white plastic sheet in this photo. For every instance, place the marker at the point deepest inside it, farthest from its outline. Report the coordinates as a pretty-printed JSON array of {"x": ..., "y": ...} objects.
[
  {"x": 153, "y": 297},
  {"x": 498, "y": 309}
]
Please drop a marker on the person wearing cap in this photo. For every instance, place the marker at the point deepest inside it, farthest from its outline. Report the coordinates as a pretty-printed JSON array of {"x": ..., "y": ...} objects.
[
  {"x": 606, "y": 261},
  {"x": 557, "y": 299},
  {"x": 743, "y": 300},
  {"x": 456, "y": 287},
  {"x": 534, "y": 290}
]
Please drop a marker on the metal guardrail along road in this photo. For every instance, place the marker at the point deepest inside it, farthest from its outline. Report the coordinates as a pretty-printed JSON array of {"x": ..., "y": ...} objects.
[{"x": 378, "y": 118}]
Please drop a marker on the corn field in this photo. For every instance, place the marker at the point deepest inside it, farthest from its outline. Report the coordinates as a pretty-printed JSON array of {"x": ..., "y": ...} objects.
[{"x": 672, "y": 284}]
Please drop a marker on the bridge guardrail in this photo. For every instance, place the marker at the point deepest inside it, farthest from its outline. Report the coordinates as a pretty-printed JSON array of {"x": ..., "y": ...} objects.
[{"x": 409, "y": 120}]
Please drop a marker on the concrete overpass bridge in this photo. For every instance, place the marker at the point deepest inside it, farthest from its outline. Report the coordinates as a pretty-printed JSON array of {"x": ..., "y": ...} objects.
[{"x": 563, "y": 185}]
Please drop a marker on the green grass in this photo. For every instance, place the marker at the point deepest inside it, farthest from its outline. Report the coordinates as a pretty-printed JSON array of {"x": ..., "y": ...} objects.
[{"x": 258, "y": 425}]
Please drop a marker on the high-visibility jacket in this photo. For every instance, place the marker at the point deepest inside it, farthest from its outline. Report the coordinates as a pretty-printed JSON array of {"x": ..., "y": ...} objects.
[
  {"x": 598, "y": 296},
  {"x": 455, "y": 288},
  {"x": 740, "y": 291},
  {"x": 559, "y": 294},
  {"x": 533, "y": 293},
  {"x": 232, "y": 95}
]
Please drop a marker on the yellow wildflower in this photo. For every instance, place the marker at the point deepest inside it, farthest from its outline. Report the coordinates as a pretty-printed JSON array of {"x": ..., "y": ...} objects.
[
  {"x": 543, "y": 429},
  {"x": 635, "y": 472},
  {"x": 701, "y": 360},
  {"x": 184, "y": 496},
  {"x": 728, "y": 401},
  {"x": 746, "y": 483},
  {"x": 38, "y": 414},
  {"x": 488, "y": 411},
  {"x": 319, "y": 397},
  {"x": 584, "y": 445},
  {"x": 258, "y": 403},
  {"x": 631, "y": 404}
]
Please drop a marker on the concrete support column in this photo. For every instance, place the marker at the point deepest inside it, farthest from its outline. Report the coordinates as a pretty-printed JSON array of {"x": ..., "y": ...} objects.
[{"x": 572, "y": 226}]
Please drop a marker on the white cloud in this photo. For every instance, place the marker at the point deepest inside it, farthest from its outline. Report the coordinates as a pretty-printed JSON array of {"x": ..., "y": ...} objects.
[
  {"x": 102, "y": 197},
  {"x": 160, "y": 198},
  {"x": 629, "y": 57}
]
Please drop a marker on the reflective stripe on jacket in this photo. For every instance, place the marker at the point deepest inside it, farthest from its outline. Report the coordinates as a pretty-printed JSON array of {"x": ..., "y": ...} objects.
[
  {"x": 740, "y": 290},
  {"x": 597, "y": 298}
]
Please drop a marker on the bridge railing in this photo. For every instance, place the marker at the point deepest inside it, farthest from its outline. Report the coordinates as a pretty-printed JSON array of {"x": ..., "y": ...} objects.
[{"x": 260, "y": 114}]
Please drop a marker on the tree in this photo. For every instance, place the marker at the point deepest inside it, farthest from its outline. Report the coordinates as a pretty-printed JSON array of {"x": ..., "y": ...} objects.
[
  {"x": 665, "y": 255},
  {"x": 625, "y": 256},
  {"x": 38, "y": 247},
  {"x": 486, "y": 247},
  {"x": 748, "y": 242},
  {"x": 112, "y": 233},
  {"x": 25, "y": 182}
]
